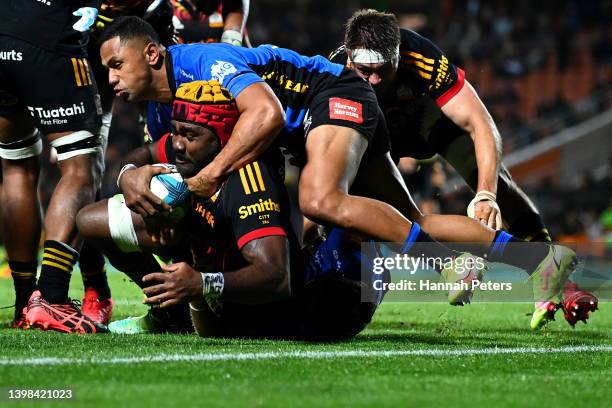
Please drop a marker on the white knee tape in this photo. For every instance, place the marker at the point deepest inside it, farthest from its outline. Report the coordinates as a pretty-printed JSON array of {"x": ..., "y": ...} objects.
[
  {"x": 76, "y": 144},
  {"x": 30, "y": 146},
  {"x": 121, "y": 226}
]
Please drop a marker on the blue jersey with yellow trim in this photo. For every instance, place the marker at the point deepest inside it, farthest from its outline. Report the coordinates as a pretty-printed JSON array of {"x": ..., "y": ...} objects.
[{"x": 294, "y": 78}]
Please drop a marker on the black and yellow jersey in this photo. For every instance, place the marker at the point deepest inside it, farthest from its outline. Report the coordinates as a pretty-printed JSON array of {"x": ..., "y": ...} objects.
[
  {"x": 423, "y": 70},
  {"x": 425, "y": 81},
  {"x": 45, "y": 23},
  {"x": 252, "y": 203}
]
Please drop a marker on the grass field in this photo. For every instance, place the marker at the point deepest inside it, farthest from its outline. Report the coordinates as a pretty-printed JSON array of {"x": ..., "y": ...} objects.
[{"x": 424, "y": 354}]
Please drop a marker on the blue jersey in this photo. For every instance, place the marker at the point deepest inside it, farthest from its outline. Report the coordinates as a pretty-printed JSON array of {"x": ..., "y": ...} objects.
[{"x": 294, "y": 78}]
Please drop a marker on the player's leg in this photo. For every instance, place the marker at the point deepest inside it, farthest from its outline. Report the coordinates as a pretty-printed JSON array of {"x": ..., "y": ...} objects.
[
  {"x": 20, "y": 146},
  {"x": 523, "y": 221},
  {"x": 62, "y": 100},
  {"x": 97, "y": 303},
  {"x": 338, "y": 300},
  {"x": 334, "y": 156},
  {"x": 497, "y": 246},
  {"x": 121, "y": 235}
]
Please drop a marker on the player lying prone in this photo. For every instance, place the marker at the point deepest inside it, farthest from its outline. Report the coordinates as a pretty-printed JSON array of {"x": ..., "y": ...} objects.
[{"x": 236, "y": 259}]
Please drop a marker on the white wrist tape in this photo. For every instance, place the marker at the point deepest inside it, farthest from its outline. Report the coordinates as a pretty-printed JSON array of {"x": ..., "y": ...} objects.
[
  {"x": 485, "y": 195},
  {"x": 212, "y": 284},
  {"x": 125, "y": 168},
  {"x": 232, "y": 37}
]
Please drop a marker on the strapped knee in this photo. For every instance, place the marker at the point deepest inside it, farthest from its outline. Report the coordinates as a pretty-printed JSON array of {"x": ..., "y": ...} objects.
[
  {"x": 31, "y": 146},
  {"x": 76, "y": 144}
]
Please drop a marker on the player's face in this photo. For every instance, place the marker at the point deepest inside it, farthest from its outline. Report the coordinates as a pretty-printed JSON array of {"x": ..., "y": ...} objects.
[
  {"x": 378, "y": 75},
  {"x": 129, "y": 73},
  {"x": 194, "y": 147}
]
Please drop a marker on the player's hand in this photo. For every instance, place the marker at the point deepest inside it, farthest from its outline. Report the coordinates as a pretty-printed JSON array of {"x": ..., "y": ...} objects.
[
  {"x": 202, "y": 186},
  {"x": 179, "y": 284},
  {"x": 161, "y": 229},
  {"x": 134, "y": 185},
  {"x": 484, "y": 208},
  {"x": 88, "y": 17},
  {"x": 488, "y": 213}
]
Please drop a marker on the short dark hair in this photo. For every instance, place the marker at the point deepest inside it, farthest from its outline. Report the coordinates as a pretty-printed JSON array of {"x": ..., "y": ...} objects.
[
  {"x": 374, "y": 30},
  {"x": 128, "y": 28}
]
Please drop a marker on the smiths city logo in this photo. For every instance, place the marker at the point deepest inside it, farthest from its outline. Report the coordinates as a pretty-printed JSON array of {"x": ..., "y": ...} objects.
[
  {"x": 222, "y": 69},
  {"x": 259, "y": 207},
  {"x": 56, "y": 116},
  {"x": 11, "y": 55}
]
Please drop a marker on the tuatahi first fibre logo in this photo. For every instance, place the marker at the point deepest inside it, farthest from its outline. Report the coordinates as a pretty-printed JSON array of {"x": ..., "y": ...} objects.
[{"x": 56, "y": 116}]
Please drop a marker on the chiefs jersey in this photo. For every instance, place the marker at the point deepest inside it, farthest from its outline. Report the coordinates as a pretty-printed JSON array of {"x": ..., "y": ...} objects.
[
  {"x": 425, "y": 81},
  {"x": 252, "y": 203}
]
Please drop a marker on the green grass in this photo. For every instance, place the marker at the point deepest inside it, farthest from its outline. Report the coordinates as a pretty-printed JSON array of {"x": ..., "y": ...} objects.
[{"x": 515, "y": 379}]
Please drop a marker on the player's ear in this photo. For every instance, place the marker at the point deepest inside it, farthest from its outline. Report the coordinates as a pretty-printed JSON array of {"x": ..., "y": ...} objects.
[{"x": 152, "y": 53}]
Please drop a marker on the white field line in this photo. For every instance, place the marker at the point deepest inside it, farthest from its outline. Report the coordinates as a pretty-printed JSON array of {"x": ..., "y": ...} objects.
[{"x": 313, "y": 355}]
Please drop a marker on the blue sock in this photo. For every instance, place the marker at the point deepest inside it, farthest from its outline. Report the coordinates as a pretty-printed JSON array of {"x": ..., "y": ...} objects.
[{"x": 420, "y": 243}]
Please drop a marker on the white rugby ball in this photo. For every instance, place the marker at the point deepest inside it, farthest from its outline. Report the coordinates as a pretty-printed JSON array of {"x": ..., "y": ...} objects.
[{"x": 170, "y": 187}]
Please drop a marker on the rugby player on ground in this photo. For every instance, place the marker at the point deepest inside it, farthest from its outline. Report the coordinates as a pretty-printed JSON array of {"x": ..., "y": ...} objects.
[
  {"x": 247, "y": 276},
  {"x": 430, "y": 108},
  {"x": 341, "y": 128},
  {"x": 204, "y": 21},
  {"x": 46, "y": 87}
]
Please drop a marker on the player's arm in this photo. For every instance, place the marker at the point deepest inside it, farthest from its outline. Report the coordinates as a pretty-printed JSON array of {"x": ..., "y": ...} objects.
[
  {"x": 265, "y": 279},
  {"x": 261, "y": 119},
  {"x": 235, "y": 20},
  {"x": 468, "y": 112},
  {"x": 458, "y": 100}
]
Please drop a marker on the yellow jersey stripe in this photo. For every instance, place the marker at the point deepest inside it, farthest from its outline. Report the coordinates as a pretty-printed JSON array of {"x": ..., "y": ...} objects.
[
  {"x": 418, "y": 56},
  {"x": 87, "y": 71},
  {"x": 57, "y": 258},
  {"x": 421, "y": 73},
  {"x": 262, "y": 186},
  {"x": 421, "y": 65},
  {"x": 62, "y": 253},
  {"x": 251, "y": 178},
  {"x": 82, "y": 68},
  {"x": 76, "y": 72},
  {"x": 62, "y": 267},
  {"x": 245, "y": 185}
]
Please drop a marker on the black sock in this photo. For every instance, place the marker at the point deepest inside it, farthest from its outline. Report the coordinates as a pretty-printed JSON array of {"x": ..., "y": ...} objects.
[
  {"x": 91, "y": 263},
  {"x": 420, "y": 244},
  {"x": 530, "y": 227},
  {"x": 513, "y": 251},
  {"x": 24, "y": 279},
  {"x": 136, "y": 265},
  {"x": 57, "y": 264}
]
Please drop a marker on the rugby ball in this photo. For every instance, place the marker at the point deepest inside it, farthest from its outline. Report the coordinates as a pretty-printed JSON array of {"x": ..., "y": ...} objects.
[{"x": 170, "y": 187}]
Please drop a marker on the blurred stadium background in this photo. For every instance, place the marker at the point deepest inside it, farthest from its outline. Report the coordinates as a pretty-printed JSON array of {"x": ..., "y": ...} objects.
[{"x": 543, "y": 69}]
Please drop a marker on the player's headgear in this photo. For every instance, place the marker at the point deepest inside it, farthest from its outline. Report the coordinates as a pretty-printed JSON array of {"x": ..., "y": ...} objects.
[{"x": 206, "y": 103}]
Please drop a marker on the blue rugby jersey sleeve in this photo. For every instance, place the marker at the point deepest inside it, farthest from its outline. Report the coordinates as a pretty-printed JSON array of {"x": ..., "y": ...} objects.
[{"x": 228, "y": 65}]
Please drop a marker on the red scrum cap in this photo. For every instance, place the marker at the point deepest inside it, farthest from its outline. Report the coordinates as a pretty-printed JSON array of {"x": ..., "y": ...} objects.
[{"x": 206, "y": 103}]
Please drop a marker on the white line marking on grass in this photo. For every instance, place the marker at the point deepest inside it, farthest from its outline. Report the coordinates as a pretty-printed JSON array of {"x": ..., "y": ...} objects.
[{"x": 314, "y": 355}]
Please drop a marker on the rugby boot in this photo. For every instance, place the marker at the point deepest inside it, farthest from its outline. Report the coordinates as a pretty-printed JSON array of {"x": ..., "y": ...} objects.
[
  {"x": 63, "y": 317},
  {"x": 577, "y": 303},
  {"x": 462, "y": 277},
  {"x": 548, "y": 281},
  {"x": 99, "y": 311}
]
